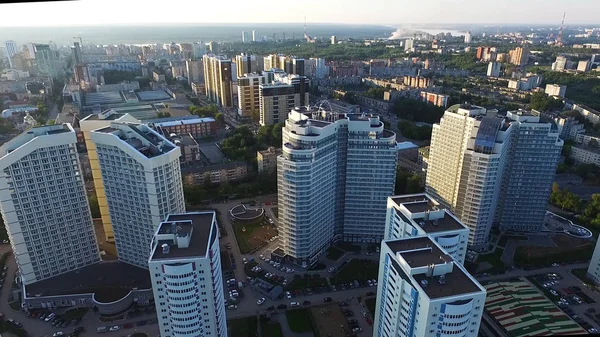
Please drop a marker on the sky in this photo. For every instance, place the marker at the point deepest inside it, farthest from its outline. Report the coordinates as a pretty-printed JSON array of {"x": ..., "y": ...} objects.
[{"x": 383, "y": 12}]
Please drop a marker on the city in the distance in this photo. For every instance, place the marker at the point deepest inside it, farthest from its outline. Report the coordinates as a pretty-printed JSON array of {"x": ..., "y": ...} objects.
[{"x": 388, "y": 170}]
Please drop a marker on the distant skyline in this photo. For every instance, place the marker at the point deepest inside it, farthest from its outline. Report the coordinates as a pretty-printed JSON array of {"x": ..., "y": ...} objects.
[{"x": 377, "y": 12}]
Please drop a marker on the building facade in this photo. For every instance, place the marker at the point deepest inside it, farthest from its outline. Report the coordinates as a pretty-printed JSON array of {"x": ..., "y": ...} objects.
[
  {"x": 86, "y": 125},
  {"x": 200, "y": 127},
  {"x": 246, "y": 64},
  {"x": 556, "y": 90},
  {"x": 280, "y": 96},
  {"x": 249, "y": 94},
  {"x": 218, "y": 79},
  {"x": 267, "y": 160},
  {"x": 493, "y": 69},
  {"x": 142, "y": 181},
  {"x": 194, "y": 71},
  {"x": 334, "y": 175},
  {"x": 44, "y": 204},
  {"x": 187, "y": 281},
  {"x": 419, "y": 214},
  {"x": 422, "y": 291},
  {"x": 474, "y": 157}
]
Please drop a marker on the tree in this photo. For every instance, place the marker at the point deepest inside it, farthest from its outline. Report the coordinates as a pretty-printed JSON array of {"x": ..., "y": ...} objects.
[
  {"x": 412, "y": 131},
  {"x": 593, "y": 143},
  {"x": 220, "y": 118},
  {"x": 542, "y": 102}
]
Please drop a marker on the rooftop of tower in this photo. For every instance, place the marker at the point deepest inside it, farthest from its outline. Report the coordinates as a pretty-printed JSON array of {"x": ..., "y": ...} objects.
[
  {"x": 434, "y": 271},
  {"x": 185, "y": 235},
  {"x": 141, "y": 137},
  {"x": 423, "y": 203},
  {"x": 33, "y": 133}
]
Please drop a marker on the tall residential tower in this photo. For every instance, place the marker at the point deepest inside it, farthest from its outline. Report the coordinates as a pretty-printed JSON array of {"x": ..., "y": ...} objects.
[
  {"x": 185, "y": 268},
  {"x": 44, "y": 204},
  {"x": 218, "y": 79},
  {"x": 142, "y": 181},
  {"x": 334, "y": 177}
]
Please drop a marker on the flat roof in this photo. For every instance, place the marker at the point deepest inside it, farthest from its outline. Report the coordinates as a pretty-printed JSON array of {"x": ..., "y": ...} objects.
[
  {"x": 447, "y": 223},
  {"x": 198, "y": 224},
  {"x": 112, "y": 117},
  {"x": 153, "y": 95},
  {"x": 421, "y": 252},
  {"x": 100, "y": 278},
  {"x": 457, "y": 282},
  {"x": 109, "y": 97}
]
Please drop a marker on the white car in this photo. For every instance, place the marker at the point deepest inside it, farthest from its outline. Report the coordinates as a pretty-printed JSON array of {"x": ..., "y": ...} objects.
[
  {"x": 244, "y": 260},
  {"x": 369, "y": 283},
  {"x": 260, "y": 301},
  {"x": 262, "y": 257},
  {"x": 267, "y": 260},
  {"x": 294, "y": 304},
  {"x": 288, "y": 294},
  {"x": 56, "y": 334},
  {"x": 114, "y": 328},
  {"x": 232, "y": 307}
]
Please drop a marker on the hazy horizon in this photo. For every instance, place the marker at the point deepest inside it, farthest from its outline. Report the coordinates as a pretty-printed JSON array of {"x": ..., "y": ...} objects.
[{"x": 377, "y": 12}]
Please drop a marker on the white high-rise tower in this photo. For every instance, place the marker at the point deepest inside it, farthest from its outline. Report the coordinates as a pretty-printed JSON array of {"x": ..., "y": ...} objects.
[
  {"x": 44, "y": 203},
  {"x": 142, "y": 181}
]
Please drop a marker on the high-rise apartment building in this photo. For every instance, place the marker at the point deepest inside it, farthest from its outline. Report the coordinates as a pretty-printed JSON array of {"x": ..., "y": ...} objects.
[
  {"x": 280, "y": 95},
  {"x": 244, "y": 36},
  {"x": 249, "y": 94},
  {"x": 142, "y": 181},
  {"x": 255, "y": 36},
  {"x": 531, "y": 167},
  {"x": 334, "y": 39},
  {"x": 518, "y": 56},
  {"x": 334, "y": 177},
  {"x": 198, "y": 50},
  {"x": 472, "y": 152},
  {"x": 584, "y": 66},
  {"x": 493, "y": 69},
  {"x": 468, "y": 37},
  {"x": 86, "y": 125},
  {"x": 246, "y": 64},
  {"x": 561, "y": 63},
  {"x": 422, "y": 292},
  {"x": 419, "y": 214},
  {"x": 44, "y": 203},
  {"x": 45, "y": 60},
  {"x": 290, "y": 64},
  {"x": 593, "y": 271},
  {"x": 185, "y": 268},
  {"x": 217, "y": 79},
  {"x": 409, "y": 44},
  {"x": 194, "y": 70},
  {"x": 11, "y": 50},
  {"x": 214, "y": 47}
]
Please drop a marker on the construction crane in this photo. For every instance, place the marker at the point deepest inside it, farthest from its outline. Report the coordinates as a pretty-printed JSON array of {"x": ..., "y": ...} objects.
[{"x": 560, "y": 31}]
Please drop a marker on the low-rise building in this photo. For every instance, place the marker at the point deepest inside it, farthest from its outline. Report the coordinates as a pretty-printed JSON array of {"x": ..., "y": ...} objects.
[
  {"x": 585, "y": 154},
  {"x": 374, "y": 103},
  {"x": 585, "y": 139},
  {"x": 267, "y": 160},
  {"x": 190, "y": 151},
  {"x": 195, "y": 126},
  {"x": 217, "y": 173},
  {"x": 435, "y": 99},
  {"x": 556, "y": 90}
]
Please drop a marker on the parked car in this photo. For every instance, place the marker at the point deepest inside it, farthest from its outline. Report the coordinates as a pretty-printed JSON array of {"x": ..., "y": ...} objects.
[
  {"x": 294, "y": 304},
  {"x": 327, "y": 299},
  {"x": 114, "y": 328},
  {"x": 232, "y": 307},
  {"x": 282, "y": 306},
  {"x": 260, "y": 301}
]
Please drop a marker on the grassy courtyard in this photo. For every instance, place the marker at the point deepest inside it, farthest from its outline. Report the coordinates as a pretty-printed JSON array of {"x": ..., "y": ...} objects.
[
  {"x": 270, "y": 329},
  {"x": 252, "y": 234},
  {"x": 299, "y": 320},
  {"x": 494, "y": 259},
  {"x": 370, "y": 304},
  {"x": 567, "y": 250},
  {"x": 242, "y": 327},
  {"x": 357, "y": 269}
]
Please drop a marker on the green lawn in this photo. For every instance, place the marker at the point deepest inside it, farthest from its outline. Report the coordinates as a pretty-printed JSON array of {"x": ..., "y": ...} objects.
[
  {"x": 334, "y": 253},
  {"x": 15, "y": 305},
  {"x": 370, "y": 304},
  {"x": 545, "y": 256},
  {"x": 494, "y": 260},
  {"x": 72, "y": 314},
  {"x": 348, "y": 246},
  {"x": 270, "y": 329},
  {"x": 242, "y": 237},
  {"x": 299, "y": 320},
  {"x": 303, "y": 283},
  {"x": 357, "y": 269},
  {"x": 242, "y": 327}
]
